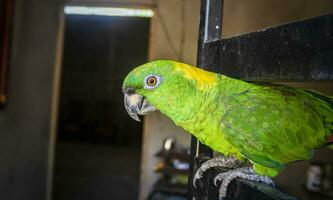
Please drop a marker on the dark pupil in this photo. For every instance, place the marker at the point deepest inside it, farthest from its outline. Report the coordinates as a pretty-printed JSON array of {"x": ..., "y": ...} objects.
[{"x": 151, "y": 81}]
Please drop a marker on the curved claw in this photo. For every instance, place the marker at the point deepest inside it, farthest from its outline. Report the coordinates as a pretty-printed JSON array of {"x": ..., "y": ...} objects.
[
  {"x": 219, "y": 177},
  {"x": 195, "y": 178},
  {"x": 244, "y": 173},
  {"x": 267, "y": 180},
  {"x": 194, "y": 185}
]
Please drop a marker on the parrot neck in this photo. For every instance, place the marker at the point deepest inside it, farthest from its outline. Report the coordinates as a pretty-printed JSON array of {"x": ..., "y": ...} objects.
[
  {"x": 192, "y": 104},
  {"x": 200, "y": 111}
]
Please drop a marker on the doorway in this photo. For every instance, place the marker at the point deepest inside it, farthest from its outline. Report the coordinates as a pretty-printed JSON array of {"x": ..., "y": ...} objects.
[{"x": 98, "y": 145}]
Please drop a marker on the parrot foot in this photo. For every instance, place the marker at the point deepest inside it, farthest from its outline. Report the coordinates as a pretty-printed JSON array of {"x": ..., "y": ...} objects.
[
  {"x": 220, "y": 161},
  {"x": 246, "y": 173}
]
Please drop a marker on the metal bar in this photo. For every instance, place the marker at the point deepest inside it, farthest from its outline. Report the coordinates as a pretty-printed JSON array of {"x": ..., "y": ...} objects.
[
  {"x": 249, "y": 190},
  {"x": 213, "y": 20},
  {"x": 297, "y": 51},
  {"x": 209, "y": 30}
]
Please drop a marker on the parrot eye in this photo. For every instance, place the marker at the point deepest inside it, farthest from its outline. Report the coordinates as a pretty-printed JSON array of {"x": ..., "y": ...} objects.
[{"x": 151, "y": 81}]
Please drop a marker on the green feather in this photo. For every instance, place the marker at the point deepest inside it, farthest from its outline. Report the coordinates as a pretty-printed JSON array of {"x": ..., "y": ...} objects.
[{"x": 269, "y": 124}]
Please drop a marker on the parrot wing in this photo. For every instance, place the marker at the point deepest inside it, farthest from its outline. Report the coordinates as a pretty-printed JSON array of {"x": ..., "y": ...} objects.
[{"x": 274, "y": 124}]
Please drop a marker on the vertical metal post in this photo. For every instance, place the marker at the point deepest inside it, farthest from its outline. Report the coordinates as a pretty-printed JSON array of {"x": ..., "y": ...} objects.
[{"x": 210, "y": 29}]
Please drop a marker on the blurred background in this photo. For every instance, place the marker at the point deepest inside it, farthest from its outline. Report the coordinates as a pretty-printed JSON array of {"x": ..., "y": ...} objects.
[{"x": 65, "y": 134}]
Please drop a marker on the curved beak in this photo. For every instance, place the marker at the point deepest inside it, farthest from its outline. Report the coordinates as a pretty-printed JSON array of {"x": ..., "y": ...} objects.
[{"x": 136, "y": 104}]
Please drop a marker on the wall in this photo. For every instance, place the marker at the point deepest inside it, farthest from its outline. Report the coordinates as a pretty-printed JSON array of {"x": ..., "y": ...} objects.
[
  {"x": 243, "y": 16},
  {"x": 25, "y": 122}
]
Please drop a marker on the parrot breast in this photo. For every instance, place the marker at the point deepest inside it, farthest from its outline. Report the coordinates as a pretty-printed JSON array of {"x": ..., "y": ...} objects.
[{"x": 199, "y": 110}]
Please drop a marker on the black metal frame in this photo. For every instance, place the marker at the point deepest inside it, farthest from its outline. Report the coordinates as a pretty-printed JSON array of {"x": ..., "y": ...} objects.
[
  {"x": 212, "y": 13},
  {"x": 298, "y": 51}
]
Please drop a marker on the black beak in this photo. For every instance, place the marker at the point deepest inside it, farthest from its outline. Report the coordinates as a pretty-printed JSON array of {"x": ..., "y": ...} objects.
[
  {"x": 129, "y": 90},
  {"x": 132, "y": 102},
  {"x": 135, "y": 104}
]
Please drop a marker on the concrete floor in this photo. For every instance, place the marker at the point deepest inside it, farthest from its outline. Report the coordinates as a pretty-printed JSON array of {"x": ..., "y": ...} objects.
[{"x": 95, "y": 172}]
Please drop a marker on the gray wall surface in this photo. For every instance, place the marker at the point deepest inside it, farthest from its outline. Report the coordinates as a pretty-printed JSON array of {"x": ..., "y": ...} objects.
[{"x": 25, "y": 122}]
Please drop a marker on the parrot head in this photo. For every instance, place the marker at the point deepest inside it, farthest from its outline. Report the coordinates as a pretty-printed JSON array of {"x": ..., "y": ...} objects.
[{"x": 163, "y": 85}]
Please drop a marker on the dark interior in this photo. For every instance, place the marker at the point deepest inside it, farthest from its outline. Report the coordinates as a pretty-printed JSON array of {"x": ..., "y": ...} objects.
[{"x": 98, "y": 145}]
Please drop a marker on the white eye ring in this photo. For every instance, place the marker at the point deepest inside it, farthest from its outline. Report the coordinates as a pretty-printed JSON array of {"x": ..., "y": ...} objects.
[{"x": 152, "y": 81}]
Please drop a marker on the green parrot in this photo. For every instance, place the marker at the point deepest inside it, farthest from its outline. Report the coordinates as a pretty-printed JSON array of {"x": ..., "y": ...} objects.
[{"x": 268, "y": 124}]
